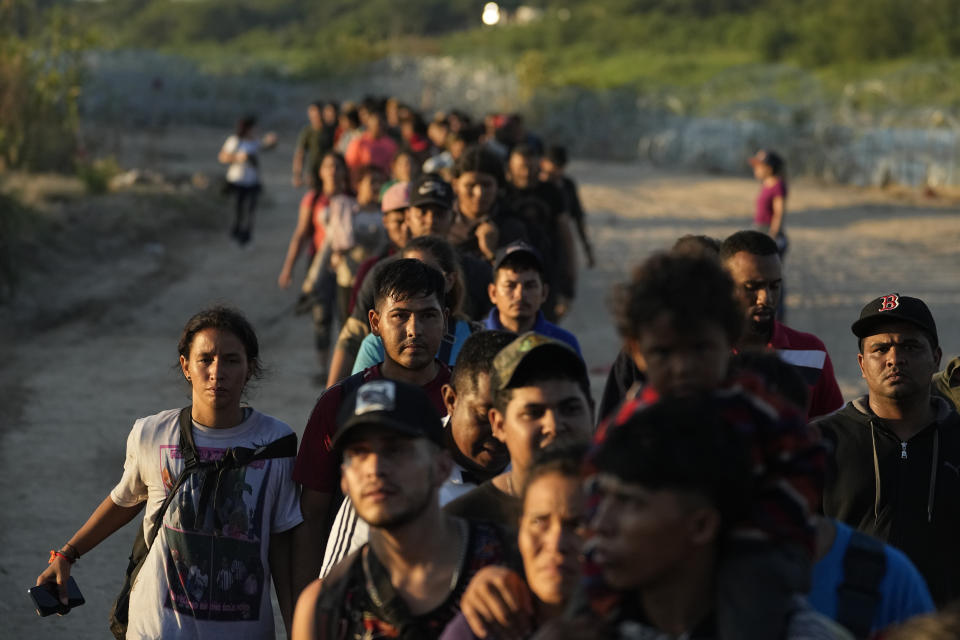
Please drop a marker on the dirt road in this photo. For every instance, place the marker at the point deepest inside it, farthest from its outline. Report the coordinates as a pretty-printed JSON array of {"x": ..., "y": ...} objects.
[{"x": 72, "y": 385}]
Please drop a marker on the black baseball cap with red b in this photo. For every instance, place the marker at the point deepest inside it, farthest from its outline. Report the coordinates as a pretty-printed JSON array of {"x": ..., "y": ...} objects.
[{"x": 894, "y": 307}]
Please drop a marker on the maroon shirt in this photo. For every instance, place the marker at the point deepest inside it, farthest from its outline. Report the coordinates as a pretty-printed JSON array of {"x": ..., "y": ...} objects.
[
  {"x": 318, "y": 466},
  {"x": 764, "y": 214}
]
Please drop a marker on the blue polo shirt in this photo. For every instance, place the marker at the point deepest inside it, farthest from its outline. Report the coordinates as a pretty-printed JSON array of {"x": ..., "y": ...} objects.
[{"x": 541, "y": 326}]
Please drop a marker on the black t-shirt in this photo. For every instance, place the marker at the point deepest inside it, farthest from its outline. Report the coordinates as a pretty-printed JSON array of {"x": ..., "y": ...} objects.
[
  {"x": 623, "y": 375},
  {"x": 487, "y": 503},
  {"x": 571, "y": 198},
  {"x": 478, "y": 274},
  {"x": 539, "y": 207},
  {"x": 510, "y": 228}
]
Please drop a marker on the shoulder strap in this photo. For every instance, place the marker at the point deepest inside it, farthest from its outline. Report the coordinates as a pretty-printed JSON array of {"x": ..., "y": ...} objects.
[
  {"x": 332, "y": 624},
  {"x": 191, "y": 463},
  {"x": 285, "y": 447},
  {"x": 446, "y": 348},
  {"x": 864, "y": 566},
  {"x": 188, "y": 449}
]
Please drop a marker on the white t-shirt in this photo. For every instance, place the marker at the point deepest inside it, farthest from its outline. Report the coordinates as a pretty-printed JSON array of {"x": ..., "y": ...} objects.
[
  {"x": 242, "y": 173},
  {"x": 206, "y": 579}
]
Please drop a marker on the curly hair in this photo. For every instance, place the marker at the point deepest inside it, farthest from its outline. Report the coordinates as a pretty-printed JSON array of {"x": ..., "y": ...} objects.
[{"x": 692, "y": 289}]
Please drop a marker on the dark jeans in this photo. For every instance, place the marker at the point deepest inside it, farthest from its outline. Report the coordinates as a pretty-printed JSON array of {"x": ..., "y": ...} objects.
[{"x": 246, "y": 203}]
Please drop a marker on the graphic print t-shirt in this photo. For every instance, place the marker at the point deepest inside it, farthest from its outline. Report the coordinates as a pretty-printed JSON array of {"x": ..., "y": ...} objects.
[{"x": 207, "y": 575}]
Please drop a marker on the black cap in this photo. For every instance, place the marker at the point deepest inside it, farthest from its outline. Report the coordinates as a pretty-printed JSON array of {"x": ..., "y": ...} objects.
[
  {"x": 430, "y": 188},
  {"x": 529, "y": 347},
  {"x": 512, "y": 249},
  {"x": 894, "y": 307},
  {"x": 390, "y": 404}
]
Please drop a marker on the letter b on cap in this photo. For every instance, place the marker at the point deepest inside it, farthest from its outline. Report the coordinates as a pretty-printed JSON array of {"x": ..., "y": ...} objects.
[{"x": 890, "y": 302}]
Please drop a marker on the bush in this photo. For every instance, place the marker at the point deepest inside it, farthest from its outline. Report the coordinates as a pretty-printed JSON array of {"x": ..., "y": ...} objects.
[
  {"x": 40, "y": 75},
  {"x": 96, "y": 175}
]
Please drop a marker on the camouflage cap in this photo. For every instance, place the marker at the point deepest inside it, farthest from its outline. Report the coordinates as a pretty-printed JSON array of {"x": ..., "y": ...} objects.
[{"x": 555, "y": 356}]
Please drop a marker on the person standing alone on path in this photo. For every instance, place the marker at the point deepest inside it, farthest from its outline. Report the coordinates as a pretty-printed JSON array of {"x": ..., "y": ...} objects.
[
  {"x": 771, "y": 210},
  {"x": 241, "y": 152}
]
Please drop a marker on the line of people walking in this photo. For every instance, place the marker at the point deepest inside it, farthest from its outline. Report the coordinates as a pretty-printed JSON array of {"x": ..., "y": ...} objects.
[{"x": 456, "y": 477}]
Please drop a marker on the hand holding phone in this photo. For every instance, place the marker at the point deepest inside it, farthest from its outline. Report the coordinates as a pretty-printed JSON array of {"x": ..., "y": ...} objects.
[{"x": 46, "y": 598}]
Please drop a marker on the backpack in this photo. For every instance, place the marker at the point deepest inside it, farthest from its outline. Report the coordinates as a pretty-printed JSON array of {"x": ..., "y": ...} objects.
[
  {"x": 864, "y": 566},
  {"x": 233, "y": 458}
]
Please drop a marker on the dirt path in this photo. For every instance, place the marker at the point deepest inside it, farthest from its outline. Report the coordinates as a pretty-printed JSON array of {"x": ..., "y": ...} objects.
[{"x": 70, "y": 392}]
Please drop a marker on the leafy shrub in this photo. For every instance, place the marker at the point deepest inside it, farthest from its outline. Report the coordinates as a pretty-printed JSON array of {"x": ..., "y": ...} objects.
[
  {"x": 40, "y": 75},
  {"x": 97, "y": 174}
]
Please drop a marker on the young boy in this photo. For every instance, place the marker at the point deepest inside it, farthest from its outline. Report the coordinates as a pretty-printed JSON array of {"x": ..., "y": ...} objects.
[
  {"x": 541, "y": 394},
  {"x": 518, "y": 291}
]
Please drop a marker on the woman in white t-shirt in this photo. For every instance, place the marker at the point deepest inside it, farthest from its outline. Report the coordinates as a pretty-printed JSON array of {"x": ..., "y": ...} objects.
[
  {"x": 241, "y": 152},
  {"x": 175, "y": 593}
]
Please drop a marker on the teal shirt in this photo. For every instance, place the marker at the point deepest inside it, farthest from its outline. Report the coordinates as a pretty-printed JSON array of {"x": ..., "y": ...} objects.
[{"x": 371, "y": 349}]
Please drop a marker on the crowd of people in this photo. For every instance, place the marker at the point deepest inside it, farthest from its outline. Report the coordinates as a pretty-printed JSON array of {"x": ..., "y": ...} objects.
[{"x": 456, "y": 478}]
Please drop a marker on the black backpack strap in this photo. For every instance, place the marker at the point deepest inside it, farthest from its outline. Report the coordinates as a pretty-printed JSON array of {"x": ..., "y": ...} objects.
[
  {"x": 188, "y": 449},
  {"x": 864, "y": 566},
  {"x": 236, "y": 458},
  {"x": 191, "y": 464},
  {"x": 446, "y": 348},
  {"x": 332, "y": 621}
]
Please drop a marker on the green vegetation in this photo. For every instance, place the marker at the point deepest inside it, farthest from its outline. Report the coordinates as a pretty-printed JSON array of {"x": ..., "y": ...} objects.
[
  {"x": 40, "y": 77},
  {"x": 840, "y": 49},
  {"x": 96, "y": 174},
  {"x": 657, "y": 47},
  {"x": 15, "y": 215}
]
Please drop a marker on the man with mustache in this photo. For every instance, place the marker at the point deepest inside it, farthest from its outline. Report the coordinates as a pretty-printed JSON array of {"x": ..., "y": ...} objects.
[
  {"x": 753, "y": 261},
  {"x": 410, "y": 318},
  {"x": 407, "y": 581},
  {"x": 477, "y": 455},
  {"x": 894, "y": 472},
  {"x": 518, "y": 291}
]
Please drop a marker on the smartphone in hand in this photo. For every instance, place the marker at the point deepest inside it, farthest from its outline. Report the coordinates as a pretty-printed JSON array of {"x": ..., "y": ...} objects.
[{"x": 47, "y": 600}]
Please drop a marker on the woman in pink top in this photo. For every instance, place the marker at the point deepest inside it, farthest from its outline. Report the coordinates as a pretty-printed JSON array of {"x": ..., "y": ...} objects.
[{"x": 768, "y": 168}]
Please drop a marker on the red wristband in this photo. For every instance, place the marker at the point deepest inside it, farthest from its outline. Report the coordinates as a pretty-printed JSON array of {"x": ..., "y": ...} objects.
[{"x": 54, "y": 554}]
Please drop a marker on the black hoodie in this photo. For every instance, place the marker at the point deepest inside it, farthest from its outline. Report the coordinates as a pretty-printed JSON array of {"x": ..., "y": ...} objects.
[{"x": 905, "y": 493}]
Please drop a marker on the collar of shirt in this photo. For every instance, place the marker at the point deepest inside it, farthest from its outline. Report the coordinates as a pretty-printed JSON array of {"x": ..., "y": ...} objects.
[{"x": 493, "y": 322}]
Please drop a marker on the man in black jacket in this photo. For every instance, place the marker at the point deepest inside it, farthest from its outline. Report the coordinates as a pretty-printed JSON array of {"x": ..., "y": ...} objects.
[{"x": 895, "y": 468}]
